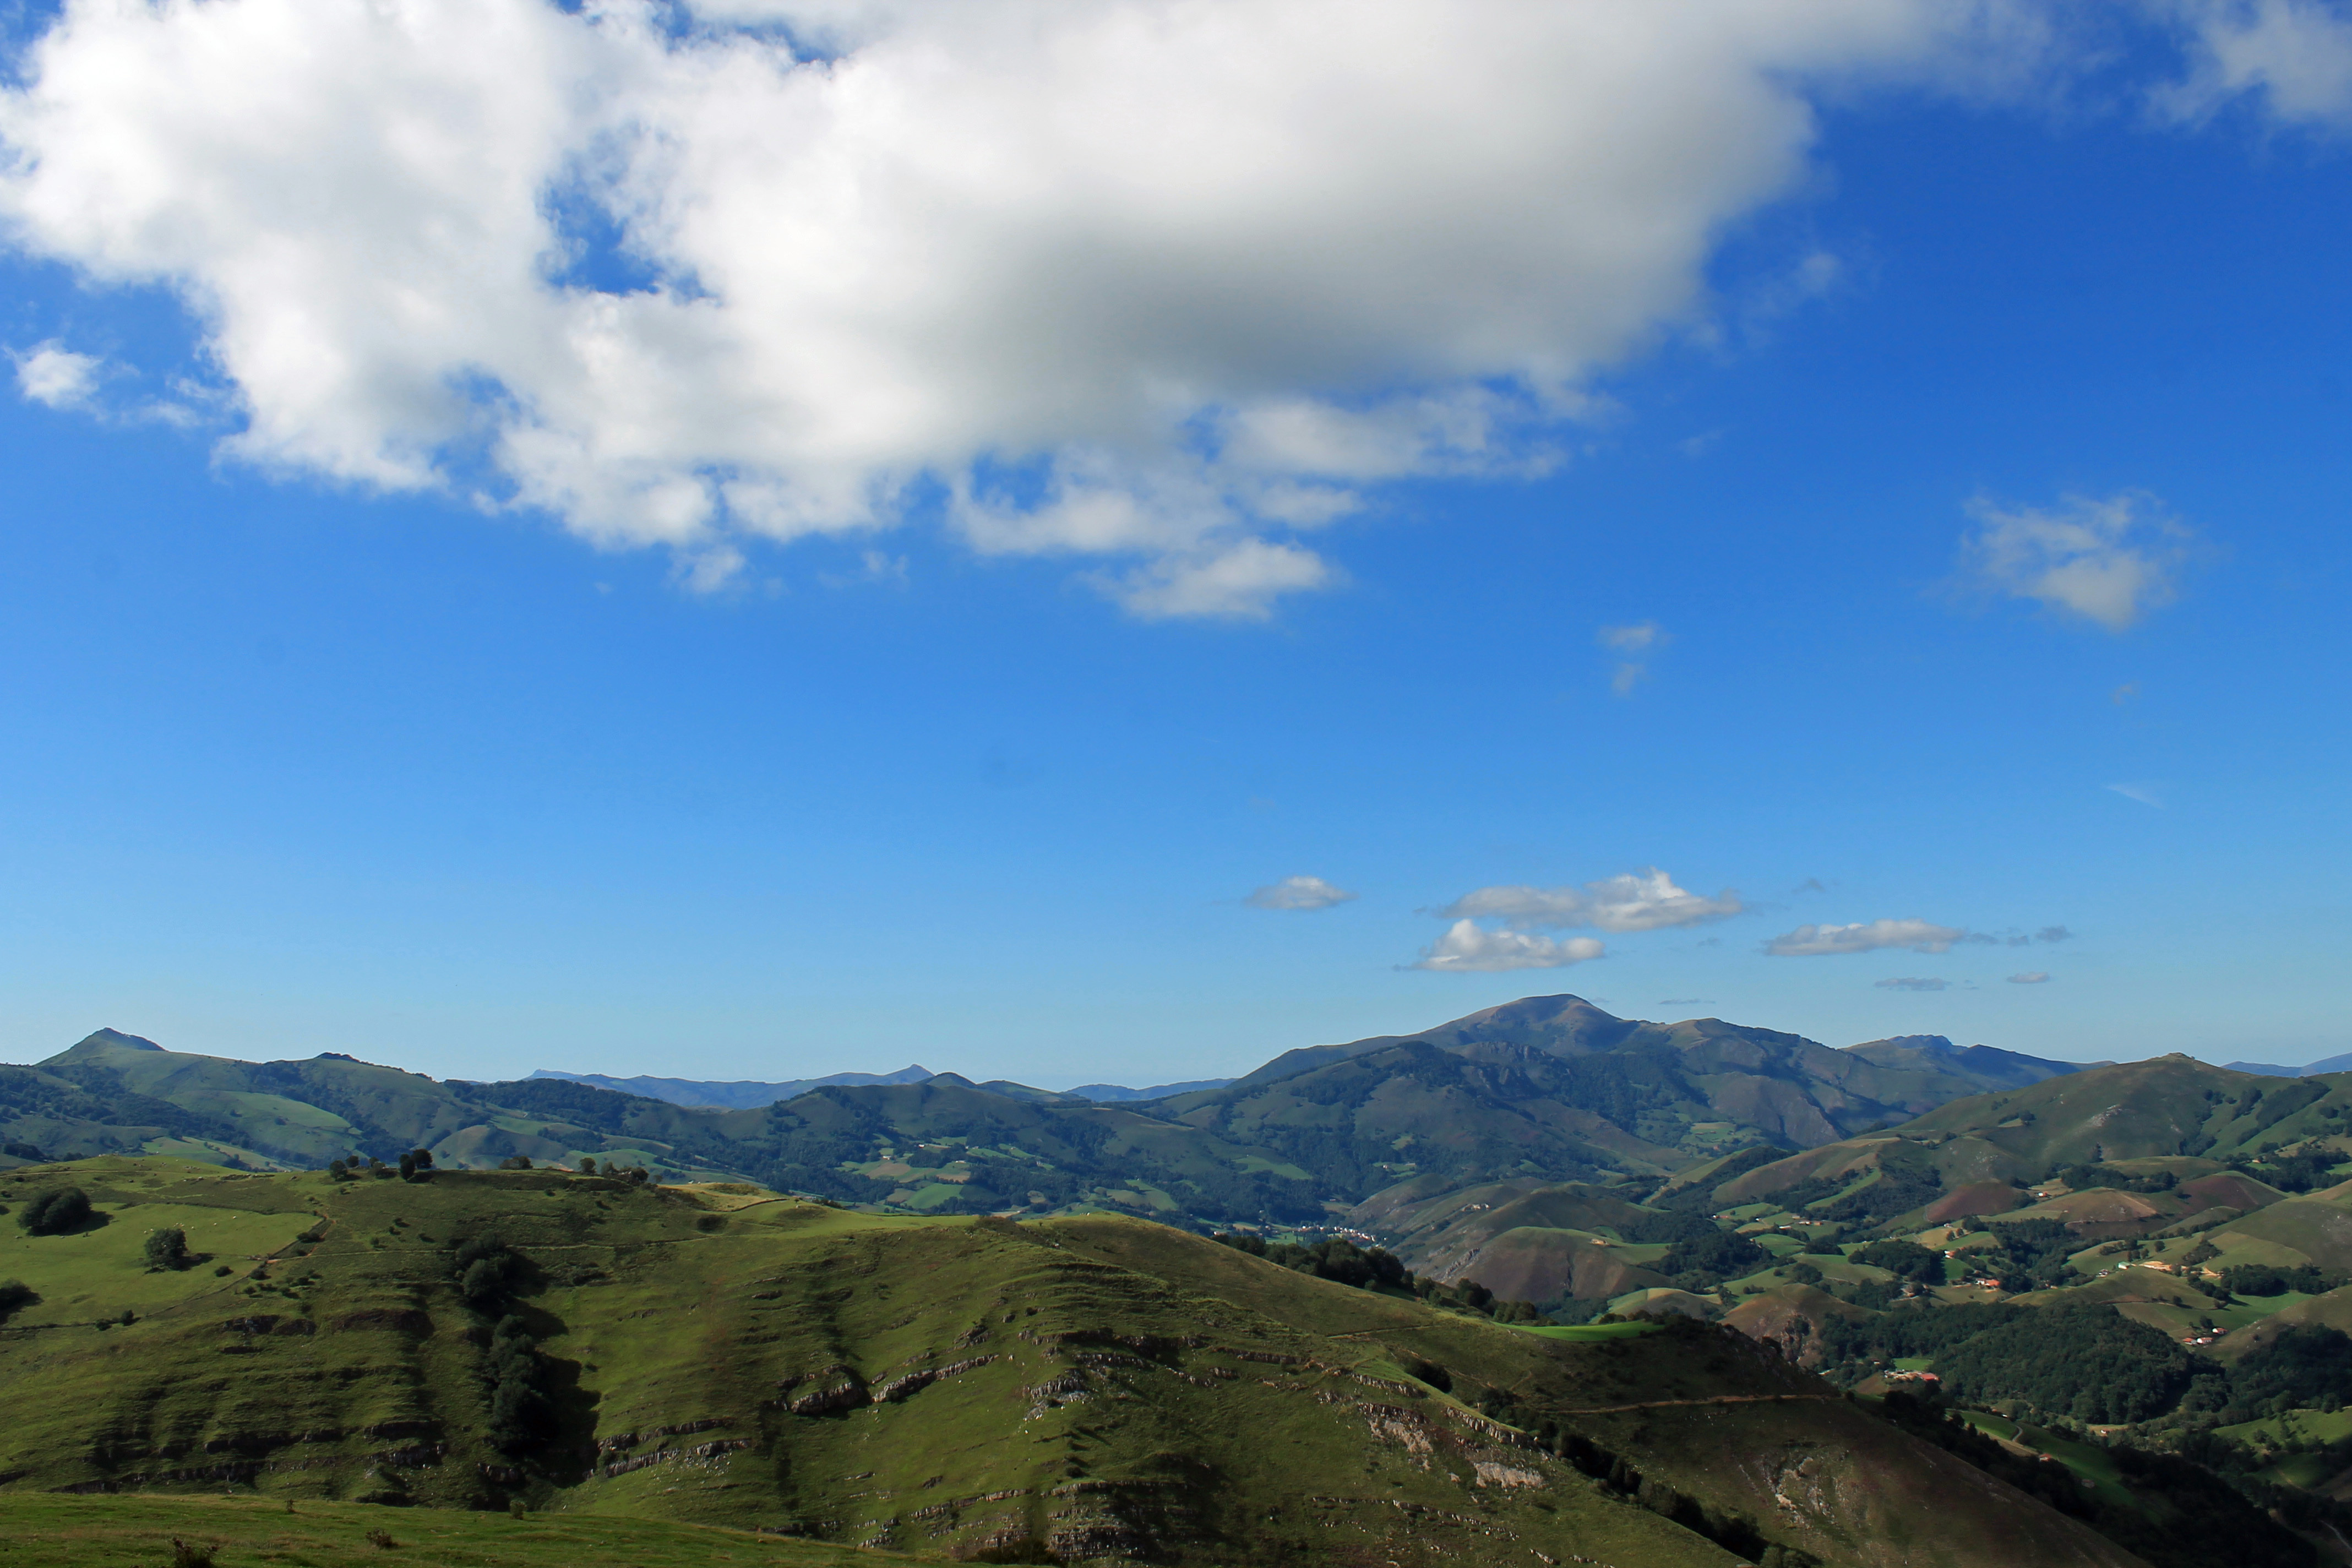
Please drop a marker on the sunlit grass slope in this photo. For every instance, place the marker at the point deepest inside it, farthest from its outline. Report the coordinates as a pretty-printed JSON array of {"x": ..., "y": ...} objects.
[
  {"x": 1079, "y": 1388},
  {"x": 43, "y": 1530}
]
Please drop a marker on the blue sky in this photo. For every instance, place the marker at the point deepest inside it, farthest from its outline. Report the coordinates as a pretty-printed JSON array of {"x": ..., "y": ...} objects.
[{"x": 308, "y": 751}]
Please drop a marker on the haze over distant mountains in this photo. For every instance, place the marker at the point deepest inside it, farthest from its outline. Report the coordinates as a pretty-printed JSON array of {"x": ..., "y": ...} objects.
[
  {"x": 1550, "y": 1088},
  {"x": 2270, "y": 1069},
  {"x": 739, "y": 1095}
]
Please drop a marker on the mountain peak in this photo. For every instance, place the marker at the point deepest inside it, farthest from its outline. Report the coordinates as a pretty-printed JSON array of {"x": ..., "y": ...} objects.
[{"x": 106, "y": 1039}]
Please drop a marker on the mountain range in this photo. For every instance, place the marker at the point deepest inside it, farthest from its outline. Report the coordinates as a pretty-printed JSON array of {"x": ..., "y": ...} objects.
[
  {"x": 2270, "y": 1069},
  {"x": 1549, "y": 1087},
  {"x": 742, "y": 1095}
]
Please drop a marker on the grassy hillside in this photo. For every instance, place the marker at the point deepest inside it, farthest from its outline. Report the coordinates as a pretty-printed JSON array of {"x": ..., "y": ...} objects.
[
  {"x": 723, "y": 1357},
  {"x": 46, "y": 1531}
]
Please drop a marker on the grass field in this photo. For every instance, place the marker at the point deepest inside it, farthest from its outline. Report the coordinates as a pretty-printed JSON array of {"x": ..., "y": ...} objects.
[
  {"x": 2087, "y": 1460},
  {"x": 2318, "y": 1426},
  {"x": 1588, "y": 1333},
  {"x": 45, "y": 1532}
]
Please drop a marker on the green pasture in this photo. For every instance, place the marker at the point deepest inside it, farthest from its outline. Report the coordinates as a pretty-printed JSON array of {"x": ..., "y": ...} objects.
[
  {"x": 2313, "y": 1426},
  {"x": 1585, "y": 1333},
  {"x": 45, "y": 1530}
]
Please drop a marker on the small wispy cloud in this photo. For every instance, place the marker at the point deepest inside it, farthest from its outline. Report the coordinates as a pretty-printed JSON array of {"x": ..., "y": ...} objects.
[
  {"x": 873, "y": 566},
  {"x": 2145, "y": 793},
  {"x": 1636, "y": 643},
  {"x": 1864, "y": 936},
  {"x": 2108, "y": 562},
  {"x": 1470, "y": 948},
  {"x": 1913, "y": 982},
  {"x": 2031, "y": 977},
  {"x": 56, "y": 377},
  {"x": 2047, "y": 933},
  {"x": 1299, "y": 893}
]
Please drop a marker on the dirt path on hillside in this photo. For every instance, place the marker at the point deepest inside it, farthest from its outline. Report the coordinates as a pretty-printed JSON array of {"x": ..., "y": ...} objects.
[{"x": 1719, "y": 1399}]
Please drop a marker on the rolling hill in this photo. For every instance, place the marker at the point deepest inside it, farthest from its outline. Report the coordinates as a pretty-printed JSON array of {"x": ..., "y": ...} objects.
[{"x": 721, "y": 1356}]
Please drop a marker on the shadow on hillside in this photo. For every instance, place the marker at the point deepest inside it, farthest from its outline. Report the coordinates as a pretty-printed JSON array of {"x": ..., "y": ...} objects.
[{"x": 568, "y": 1454}]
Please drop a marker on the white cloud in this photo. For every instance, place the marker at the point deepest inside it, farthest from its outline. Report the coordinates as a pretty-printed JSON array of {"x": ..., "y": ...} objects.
[
  {"x": 1638, "y": 639},
  {"x": 2031, "y": 977},
  {"x": 2145, "y": 793},
  {"x": 2108, "y": 560},
  {"x": 1469, "y": 948},
  {"x": 2295, "y": 56},
  {"x": 1297, "y": 893},
  {"x": 1864, "y": 936},
  {"x": 1631, "y": 902},
  {"x": 1152, "y": 283},
  {"x": 1913, "y": 982},
  {"x": 55, "y": 377}
]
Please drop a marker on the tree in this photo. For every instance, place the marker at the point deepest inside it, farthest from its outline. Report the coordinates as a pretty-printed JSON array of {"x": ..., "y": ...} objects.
[
  {"x": 587, "y": 1165},
  {"x": 167, "y": 1248},
  {"x": 56, "y": 1211},
  {"x": 515, "y": 1163},
  {"x": 1904, "y": 1260}
]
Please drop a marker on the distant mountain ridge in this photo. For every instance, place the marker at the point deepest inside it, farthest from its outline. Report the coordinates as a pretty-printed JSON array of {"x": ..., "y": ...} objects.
[
  {"x": 2272, "y": 1069},
  {"x": 734, "y": 1096},
  {"x": 1550, "y": 1089},
  {"x": 742, "y": 1095}
]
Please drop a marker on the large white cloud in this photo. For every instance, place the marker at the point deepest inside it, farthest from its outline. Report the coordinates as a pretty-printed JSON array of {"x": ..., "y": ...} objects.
[
  {"x": 1156, "y": 284},
  {"x": 1631, "y": 902},
  {"x": 1470, "y": 948}
]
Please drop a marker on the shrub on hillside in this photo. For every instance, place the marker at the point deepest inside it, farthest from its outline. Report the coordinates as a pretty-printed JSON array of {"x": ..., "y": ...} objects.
[
  {"x": 2308, "y": 1365},
  {"x": 2263, "y": 1280},
  {"x": 15, "y": 1296},
  {"x": 2090, "y": 1364},
  {"x": 1904, "y": 1260},
  {"x": 168, "y": 1249},
  {"x": 1338, "y": 1258},
  {"x": 56, "y": 1211},
  {"x": 488, "y": 1271},
  {"x": 2305, "y": 1172},
  {"x": 521, "y": 1414},
  {"x": 1700, "y": 1262},
  {"x": 2084, "y": 1177}
]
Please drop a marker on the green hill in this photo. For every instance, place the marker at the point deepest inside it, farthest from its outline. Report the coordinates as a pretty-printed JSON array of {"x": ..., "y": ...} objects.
[{"x": 722, "y": 1357}]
